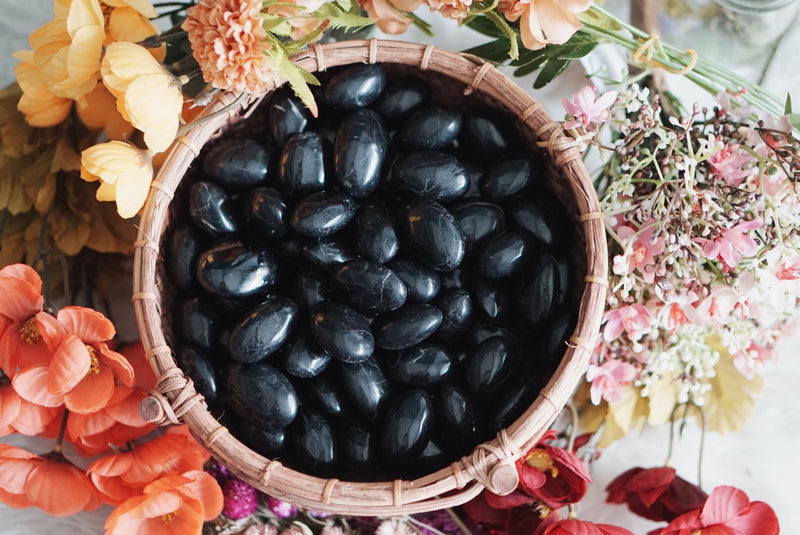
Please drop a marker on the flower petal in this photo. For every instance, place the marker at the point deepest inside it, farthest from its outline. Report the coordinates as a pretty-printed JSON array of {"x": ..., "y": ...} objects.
[
  {"x": 31, "y": 385},
  {"x": 92, "y": 393},
  {"x": 69, "y": 365},
  {"x": 10, "y": 404},
  {"x": 59, "y": 489},
  {"x": 758, "y": 518},
  {"x": 21, "y": 299},
  {"x": 723, "y": 504},
  {"x": 206, "y": 490},
  {"x": 15, "y": 501},
  {"x": 88, "y": 324}
]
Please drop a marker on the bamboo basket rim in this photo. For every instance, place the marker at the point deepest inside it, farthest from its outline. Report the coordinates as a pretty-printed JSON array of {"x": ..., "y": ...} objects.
[{"x": 492, "y": 464}]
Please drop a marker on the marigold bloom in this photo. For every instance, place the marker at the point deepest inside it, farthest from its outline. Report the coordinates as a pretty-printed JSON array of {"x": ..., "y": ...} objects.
[
  {"x": 125, "y": 174},
  {"x": 388, "y": 15},
  {"x": 229, "y": 43},
  {"x": 542, "y": 22},
  {"x": 176, "y": 504},
  {"x": 657, "y": 494}
]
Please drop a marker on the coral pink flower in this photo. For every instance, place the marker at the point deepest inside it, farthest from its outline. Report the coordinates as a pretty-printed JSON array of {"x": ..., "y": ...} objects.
[
  {"x": 727, "y": 164},
  {"x": 657, "y": 494},
  {"x": 20, "y": 416},
  {"x": 608, "y": 378},
  {"x": 388, "y": 14},
  {"x": 587, "y": 109},
  {"x": 542, "y": 22},
  {"x": 732, "y": 245},
  {"x": 644, "y": 249},
  {"x": 573, "y": 526},
  {"x": 633, "y": 319},
  {"x": 743, "y": 360}
]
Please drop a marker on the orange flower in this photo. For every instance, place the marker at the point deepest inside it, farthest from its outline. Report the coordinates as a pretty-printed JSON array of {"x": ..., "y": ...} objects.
[
  {"x": 176, "y": 504},
  {"x": 127, "y": 24},
  {"x": 454, "y": 9},
  {"x": 122, "y": 476},
  {"x": 98, "y": 109},
  {"x": 38, "y": 104},
  {"x": 388, "y": 15},
  {"x": 20, "y": 416},
  {"x": 83, "y": 370},
  {"x": 125, "y": 174},
  {"x": 50, "y": 483},
  {"x": 544, "y": 21},
  {"x": 229, "y": 42}
]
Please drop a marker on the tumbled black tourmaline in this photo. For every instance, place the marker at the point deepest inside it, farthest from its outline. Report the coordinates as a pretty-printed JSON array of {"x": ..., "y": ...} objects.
[
  {"x": 302, "y": 166},
  {"x": 491, "y": 297},
  {"x": 199, "y": 322},
  {"x": 359, "y": 151},
  {"x": 554, "y": 333},
  {"x": 231, "y": 269},
  {"x": 432, "y": 458},
  {"x": 327, "y": 394},
  {"x": 310, "y": 289},
  {"x": 489, "y": 365},
  {"x": 511, "y": 402},
  {"x": 313, "y": 442},
  {"x": 376, "y": 238},
  {"x": 536, "y": 289},
  {"x": 425, "y": 365},
  {"x": 456, "y": 307},
  {"x": 303, "y": 358},
  {"x": 326, "y": 253},
  {"x": 506, "y": 253},
  {"x": 406, "y": 327},
  {"x": 544, "y": 217},
  {"x": 507, "y": 178},
  {"x": 435, "y": 235},
  {"x": 287, "y": 115},
  {"x": 260, "y": 392},
  {"x": 197, "y": 365},
  {"x": 183, "y": 245},
  {"x": 212, "y": 209},
  {"x": 356, "y": 86},
  {"x": 478, "y": 220},
  {"x": 369, "y": 287},
  {"x": 266, "y": 213},
  {"x": 322, "y": 214},
  {"x": 434, "y": 175},
  {"x": 366, "y": 386},
  {"x": 488, "y": 133},
  {"x": 237, "y": 163},
  {"x": 431, "y": 127},
  {"x": 358, "y": 449},
  {"x": 456, "y": 419},
  {"x": 422, "y": 283},
  {"x": 407, "y": 426},
  {"x": 267, "y": 442},
  {"x": 401, "y": 99},
  {"x": 342, "y": 332},
  {"x": 263, "y": 331}
]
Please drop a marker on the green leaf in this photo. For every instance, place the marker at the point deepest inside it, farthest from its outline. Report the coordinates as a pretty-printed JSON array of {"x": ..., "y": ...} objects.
[
  {"x": 495, "y": 51},
  {"x": 787, "y": 107},
  {"x": 549, "y": 71},
  {"x": 527, "y": 68},
  {"x": 485, "y": 26},
  {"x": 420, "y": 24},
  {"x": 794, "y": 120},
  {"x": 600, "y": 20}
]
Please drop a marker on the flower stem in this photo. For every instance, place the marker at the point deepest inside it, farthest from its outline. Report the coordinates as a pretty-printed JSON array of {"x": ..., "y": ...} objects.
[
  {"x": 62, "y": 428},
  {"x": 460, "y": 523}
]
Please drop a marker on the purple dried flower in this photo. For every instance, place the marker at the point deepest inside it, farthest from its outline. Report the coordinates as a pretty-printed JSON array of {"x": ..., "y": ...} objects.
[
  {"x": 280, "y": 508},
  {"x": 240, "y": 499}
]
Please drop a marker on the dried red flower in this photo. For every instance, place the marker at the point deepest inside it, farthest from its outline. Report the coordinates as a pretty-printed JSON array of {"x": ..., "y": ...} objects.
[
  {"x": 573, "y": 526},
  {"x": 656, "y": 493}
]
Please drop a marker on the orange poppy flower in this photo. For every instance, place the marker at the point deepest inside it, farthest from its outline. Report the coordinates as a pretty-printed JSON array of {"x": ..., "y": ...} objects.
[
  {"x": 50, "y": 483},
  {"x": 20, "y": 416},
  {"x": 122, "y": 476},
  {"x": 172, "y": 505},
  {"x": 83, "y": 371}
]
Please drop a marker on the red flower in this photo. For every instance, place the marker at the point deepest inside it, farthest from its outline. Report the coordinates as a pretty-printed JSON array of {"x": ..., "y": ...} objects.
[
  {"x": 522, "y": 520},
  {"x": 656, "y": 493},
  {"x": 573, "y": 526},
  {"x": 728, "y": 511}
]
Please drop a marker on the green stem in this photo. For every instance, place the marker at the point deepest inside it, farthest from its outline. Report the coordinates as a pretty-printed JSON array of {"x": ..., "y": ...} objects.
[{"x": 511, "y": 35}]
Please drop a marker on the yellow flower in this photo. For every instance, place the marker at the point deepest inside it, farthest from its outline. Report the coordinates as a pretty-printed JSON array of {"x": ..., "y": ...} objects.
[
  {"x": 147, "y": 95},
  {"x": 127, "y": 24},
  {"x": 144, "y": 7},
  {"x": 39, "y": 105},
  {"x": 98, "y": 110},
  {"x": 124, "y": 172}
]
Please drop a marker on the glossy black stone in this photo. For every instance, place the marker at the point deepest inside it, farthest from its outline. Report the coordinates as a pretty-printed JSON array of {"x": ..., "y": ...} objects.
[
  {"x": 287, "y": 115},
  {"x": 268, "y": 442},
  {"x": 506, "y": 253},
  {"x": 537, "y": 288},
  {"x": 478, "y": 220},
  {"x": 199, "y": 322},
  {"x": 355, "y": 86},
  {"x": 302, "y": 165},
  {"x": 456, "y": 306},
  {"x": 371, "y": 288},
  {"x": 313, "y": 442},
  {"x": 358, "y": 449},
  {"x": 262, "y": 332},
  {"x": 552, "y": 342},
  {"x": 231, "y": 269},
  {"x": 265, "y": 211},
  {"x": 432, "y": 458},
  {"x": 511, "y": 403},
  {"x": 262, "y": 393},
  {"x": 540, "y": 222},
  {"x": 422, "y": 283},
  {"x": 435, "y": 235},
  {"x": 489, "y": 365},
  {"x": 366, "y": 386},
  {"x": 237, "y": 163},
  {"x": 407, "y": 426},
  {"x": 326, "y": 253},
  {"x": 322, "y": 214},
  {"x": 359, "y": 152},
  {"x": 434, "y": 175},
  {"x": 376, "y": 238},
  {"x": 563, "y": 278},
  {"x": 401, "y": 99},
  {"x": 342, "y": 332},
  {"x": 456, "y": 419},
  {"x": 303, "y": 358},
  {"x": 406, "y": 327},
  {"x": 310, "y": 289},
  {"x": 184, "y": 245},
  {"x": 507, "y": 178},
  {"x": 425, "y": 365},
  {"x": 326, "y": 393},
  {"x": 197, "y": 365},
  {"x": 491, "y": 297},
  {"x": 488, "y": 133},
  {"x": 431, "y": 127},
  {"x": 211, "y": 209}
]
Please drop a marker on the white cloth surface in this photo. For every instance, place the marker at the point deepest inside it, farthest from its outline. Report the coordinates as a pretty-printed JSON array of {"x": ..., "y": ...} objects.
[{"x": 761, "y": 459}]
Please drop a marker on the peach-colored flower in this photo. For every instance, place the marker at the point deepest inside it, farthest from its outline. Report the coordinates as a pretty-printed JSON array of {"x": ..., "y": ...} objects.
[
  {"x": 124, "y": 171},
  {"x": 40, "y": 106},
  {"x": 143, "y": 7},
  {"x": 127, "y": 24},
  {"x": 297, "y": 17},
  {"x": 229, "y": 43},
  {"x": 453, "y": 9},
  {"x": 20, "y": 416},
  {"x": 388, "y": 14},
  {"x": 98, "y": 109},
  {"x": 542, "y": 22}
]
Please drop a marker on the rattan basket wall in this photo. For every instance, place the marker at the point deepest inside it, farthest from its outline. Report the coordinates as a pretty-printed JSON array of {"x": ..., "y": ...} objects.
[{"x": 491, "y": 464}]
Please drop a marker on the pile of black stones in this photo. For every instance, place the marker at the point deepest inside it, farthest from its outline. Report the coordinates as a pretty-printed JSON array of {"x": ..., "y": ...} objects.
[{"x": 372, "y": 293}]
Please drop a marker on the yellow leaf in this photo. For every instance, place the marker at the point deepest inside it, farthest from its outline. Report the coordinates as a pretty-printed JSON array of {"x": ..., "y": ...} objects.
[
  {"x": 661, "y": 401},
  {"x": 46, "y": 194},
  {"x": 729, "y": 403},
  {"x": 111, "y": 233},
  {"x": 66, "y": 158}
]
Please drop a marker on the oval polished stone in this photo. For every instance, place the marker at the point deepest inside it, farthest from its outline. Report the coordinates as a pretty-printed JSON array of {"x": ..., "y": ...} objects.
[
  {"x": 302, "y": 165},
  {"x": 310, "y": 289},
  {"x": 342, "y": 332},
  {"x": 553, "y": 339},
  {"x": 287, "y": 115},
  {"x": 563, "y": 278},
  {"x": 507, "y": 178},
  {"x": 478, "y": 220},
  {"x": 326, "y": 253},
  {"x": 358, "y": 449},
  {"x": 237, "y": 163},
  {"x": 303, "y": 358},
  {"x": 406, "y": 327},
  {"x": 263, "y": 331},
  {"x": 326, "y": 393},
  {"x": 435, "y": 235},
  {"x": 266, "y": 213},
  {"x": 422, "y": 283},
  {"x": 511, "y": 403},
  {"x": 313, "y": 442},
  {"x": 407, "y": 426},
  {"x": 355, "y": 86},
  {"x": 261, "y": 392},
  {"x": 425, "y": 365},
  {"x": 199, "y": 322},
  {"x": 488, "y": 366},
  {"x": 197, "y": 365},
  {"x": 456, "y": 419},
  {"x": 401, "y": 99},
  {"x": 267, "y": 442},
  {"x": 486, "y": 132},
  {"x": 505, "y": 254},
  {"x": 184, "y": 246},
  {"x": 366, "y": 386},
  {"x": 376, "y": 238},
  {"x": 212, "y": 209},
  {"x": 322, "y": 214},
  {"x": 233, "y": 269},
  {"x": 431, "y": 174},
  {"x": 359, "y": 152},
  {"x": 491, "y": 297},
  {"x": 536, "y": 289},
  {"x": 544, "y": 218},
  {"x": 431, "y": 127},
  {"x": 369, "y": 287},
  {"x": 456, "y": 307},
  {"x": 432, "y": 458}
]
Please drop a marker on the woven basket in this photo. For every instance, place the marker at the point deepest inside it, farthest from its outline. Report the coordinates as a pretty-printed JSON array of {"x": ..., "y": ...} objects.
[{"x": 492, "y": 464}]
